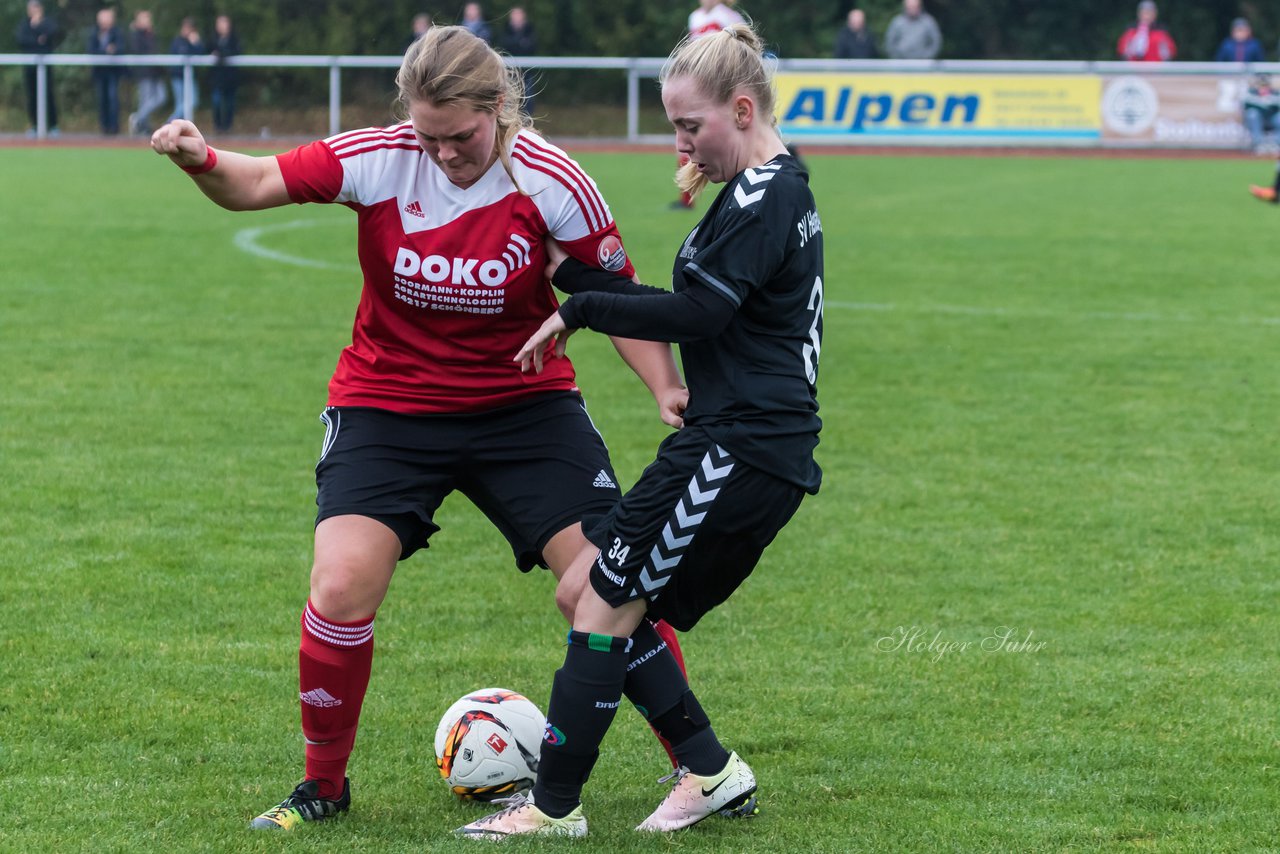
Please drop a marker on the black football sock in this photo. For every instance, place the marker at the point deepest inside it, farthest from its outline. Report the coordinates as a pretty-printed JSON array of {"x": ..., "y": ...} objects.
[
  {"x": 655, "y": 682},
  {"x": 658, "y": 688},
  {"x": 689, "y": 730},
  {"x": 585, "y": 696}
]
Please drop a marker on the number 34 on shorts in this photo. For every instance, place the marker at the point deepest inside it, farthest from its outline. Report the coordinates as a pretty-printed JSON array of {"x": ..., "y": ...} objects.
[{"x": 618, "y": 552}]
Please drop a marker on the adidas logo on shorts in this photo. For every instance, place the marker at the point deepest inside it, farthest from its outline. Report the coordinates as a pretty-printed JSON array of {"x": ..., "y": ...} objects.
[{"x": 603, "y": 481}]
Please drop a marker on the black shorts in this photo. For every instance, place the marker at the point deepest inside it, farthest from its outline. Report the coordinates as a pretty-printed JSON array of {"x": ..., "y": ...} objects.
[
  {"x": 533, "y": 468},
  {"x": 690, "y": 531}
]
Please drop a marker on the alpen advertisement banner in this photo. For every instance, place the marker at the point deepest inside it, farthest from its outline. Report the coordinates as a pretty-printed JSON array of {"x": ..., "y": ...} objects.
[{"x": 969, "y": 108}]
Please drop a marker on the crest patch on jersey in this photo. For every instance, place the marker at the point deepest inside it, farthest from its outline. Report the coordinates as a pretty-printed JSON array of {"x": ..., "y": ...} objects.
[{"x": 611, "y": 254}]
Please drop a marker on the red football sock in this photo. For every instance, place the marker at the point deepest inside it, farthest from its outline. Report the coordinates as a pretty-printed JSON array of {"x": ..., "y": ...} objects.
[
  {"x": 668, "y": 634},
  {"x": 334, "y": 662}
]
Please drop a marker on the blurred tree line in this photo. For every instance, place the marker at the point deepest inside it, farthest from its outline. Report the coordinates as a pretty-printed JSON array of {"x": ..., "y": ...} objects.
[
  {"x": 289, "y": 99},
  {"x": 972, "y": 29}
]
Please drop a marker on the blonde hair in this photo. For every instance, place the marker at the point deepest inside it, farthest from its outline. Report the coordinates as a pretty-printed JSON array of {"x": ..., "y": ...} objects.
[
  {"x": 720, "y": 64},
  {"x": 450, "y": 65}
]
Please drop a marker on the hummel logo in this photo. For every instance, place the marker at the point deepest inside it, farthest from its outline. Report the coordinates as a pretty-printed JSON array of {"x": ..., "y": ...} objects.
[
  {"x": 414, "y": 209},
  {"x": 688, "y": 250},
  {"x": 320, "y": 698},
  {"x": 604, "y": 481}
]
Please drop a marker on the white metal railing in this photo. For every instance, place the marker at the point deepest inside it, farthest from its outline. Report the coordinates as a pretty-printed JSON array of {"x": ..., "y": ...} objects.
[{"x": 637, "y": 69}]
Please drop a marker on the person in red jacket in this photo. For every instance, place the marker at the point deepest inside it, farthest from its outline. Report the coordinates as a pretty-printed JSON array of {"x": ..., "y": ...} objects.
[{"x": 1146, "y": 41}]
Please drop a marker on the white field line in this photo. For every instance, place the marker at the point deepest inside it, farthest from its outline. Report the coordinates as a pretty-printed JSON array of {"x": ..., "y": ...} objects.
[
  {"x": 247, "y": 240},
  {"x": 1046, "y": 314}
]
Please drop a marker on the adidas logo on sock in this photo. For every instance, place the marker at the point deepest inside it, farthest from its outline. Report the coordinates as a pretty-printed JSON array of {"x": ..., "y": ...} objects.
[
  {"x": 319, "y": 697},
  {"x": 414, "y": 209},
  {"x": 604, "y": 481}
]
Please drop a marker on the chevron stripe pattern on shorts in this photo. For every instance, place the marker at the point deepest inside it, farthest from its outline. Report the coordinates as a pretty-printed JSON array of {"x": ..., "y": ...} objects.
[{"x": 678, "y": 533}]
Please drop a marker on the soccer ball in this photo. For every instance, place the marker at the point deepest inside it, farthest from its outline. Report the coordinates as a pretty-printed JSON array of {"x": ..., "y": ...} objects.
[{"x": 488, "y": 743}]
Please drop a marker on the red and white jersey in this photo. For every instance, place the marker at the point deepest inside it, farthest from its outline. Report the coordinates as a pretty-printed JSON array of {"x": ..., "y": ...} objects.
[
  {"x": 704, "y": 22},
  {"x": 453, "y": 278}
]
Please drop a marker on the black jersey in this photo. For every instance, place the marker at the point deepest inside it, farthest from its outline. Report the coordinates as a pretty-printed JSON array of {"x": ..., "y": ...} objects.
[
  {"x": 753, "y": 386},
  {"x": 747, "y": 313}
]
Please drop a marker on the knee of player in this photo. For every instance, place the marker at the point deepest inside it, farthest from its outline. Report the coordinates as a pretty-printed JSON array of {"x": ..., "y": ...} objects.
[
  {"x": 342, "y": 593},
  {"x": 568, "y": 591}
]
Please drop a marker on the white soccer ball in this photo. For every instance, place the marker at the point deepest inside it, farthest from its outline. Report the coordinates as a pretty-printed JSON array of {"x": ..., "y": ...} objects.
[{"x": 488, "y": 744}]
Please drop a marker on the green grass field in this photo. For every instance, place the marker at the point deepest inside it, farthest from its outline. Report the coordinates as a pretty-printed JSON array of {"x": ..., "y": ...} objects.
[{"x": 1050, "y": 396}]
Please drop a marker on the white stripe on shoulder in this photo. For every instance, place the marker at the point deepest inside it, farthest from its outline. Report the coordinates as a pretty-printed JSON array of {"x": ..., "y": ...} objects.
[
  {"x": 588, "y": 185},
  {"x": 364, "y": 133},
  {"x": 556, "y": 175},
  {"x": 372, "y": 139},
  {"x": 758, "y": 176}
]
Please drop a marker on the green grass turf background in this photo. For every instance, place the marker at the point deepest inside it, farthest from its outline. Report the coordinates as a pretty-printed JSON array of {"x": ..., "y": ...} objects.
[{"x": 1050, "y": 399}]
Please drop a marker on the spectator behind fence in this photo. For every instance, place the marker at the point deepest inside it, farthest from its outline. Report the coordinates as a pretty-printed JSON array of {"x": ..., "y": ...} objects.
[
  {"x": 519, "y": 39},
  {"x": 1146, "y": 41},
  {"x": 855, "y": 41},
  {"x": 913, "y": 34},
  {"x": 148, "y": 79},
  {"x": 417, "y": 29},
  {"x": 186, "y": 43},
  {"x": 1240, "y": 46},
  {"x": 712, "y": 16},
  {"x": 224, "y": 79},
  {"x": 1261, "y": 114},
  {"x": 105, "y": 39},
  {"x": 38, "y": 33},
  {"x": 473, "y": 20}
]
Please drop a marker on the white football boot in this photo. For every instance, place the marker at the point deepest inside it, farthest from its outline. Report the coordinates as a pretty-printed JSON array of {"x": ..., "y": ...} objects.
[
  {"x": 520, "y": 816},
  {"x": 694, "y": 798}
]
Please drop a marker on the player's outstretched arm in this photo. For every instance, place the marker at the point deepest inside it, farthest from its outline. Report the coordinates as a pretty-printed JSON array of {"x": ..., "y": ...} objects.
[
  {"x": 237, "y": 182},
  {"x": 652, "y": 361}
]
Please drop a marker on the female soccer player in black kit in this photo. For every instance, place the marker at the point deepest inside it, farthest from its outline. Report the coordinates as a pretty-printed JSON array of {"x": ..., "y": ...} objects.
[{"x": 747, "y": 313}]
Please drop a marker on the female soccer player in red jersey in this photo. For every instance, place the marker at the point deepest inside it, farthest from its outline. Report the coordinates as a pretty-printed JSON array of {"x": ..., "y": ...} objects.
[{"x": 452, "y": 208}]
